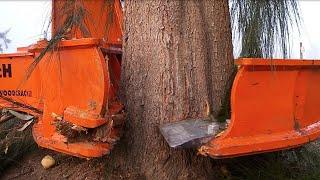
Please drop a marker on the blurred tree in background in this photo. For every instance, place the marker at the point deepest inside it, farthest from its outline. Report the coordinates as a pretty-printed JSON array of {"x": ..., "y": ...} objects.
[{"x": 4, "y": 41}]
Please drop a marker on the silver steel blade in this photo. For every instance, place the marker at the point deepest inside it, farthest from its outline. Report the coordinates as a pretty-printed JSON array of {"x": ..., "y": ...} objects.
[{"x": 189, "y": 133}]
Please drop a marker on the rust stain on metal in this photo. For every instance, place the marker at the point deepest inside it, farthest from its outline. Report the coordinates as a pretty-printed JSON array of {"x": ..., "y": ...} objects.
[{"x": 92, "y": 105}]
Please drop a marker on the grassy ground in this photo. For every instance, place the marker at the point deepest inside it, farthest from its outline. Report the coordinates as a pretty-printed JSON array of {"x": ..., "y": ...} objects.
[{"x": 302, "y": 163}]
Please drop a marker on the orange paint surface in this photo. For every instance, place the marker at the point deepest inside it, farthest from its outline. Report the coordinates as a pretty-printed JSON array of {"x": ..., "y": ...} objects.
[
  {"x": 274, "y": 102},
  {"x": 275, "y": 105},
  {"x": 102, "y": 19},
  {"x": 73, "y": 81}
]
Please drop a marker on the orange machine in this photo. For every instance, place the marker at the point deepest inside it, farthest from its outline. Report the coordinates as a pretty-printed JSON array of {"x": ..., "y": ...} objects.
[
  {"x": 72, "y": 88},
  {"x": 274, "y": 106},
  {"x": 70, "y": 85}
]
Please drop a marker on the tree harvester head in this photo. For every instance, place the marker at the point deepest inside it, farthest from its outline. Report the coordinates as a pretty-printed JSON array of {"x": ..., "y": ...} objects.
[
  {"x": 274, "y": 106},
  {"x": 70, "y": 83}
]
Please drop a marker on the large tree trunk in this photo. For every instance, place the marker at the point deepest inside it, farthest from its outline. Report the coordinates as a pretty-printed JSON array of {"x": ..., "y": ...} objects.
[{"x": 177, "y": 63}]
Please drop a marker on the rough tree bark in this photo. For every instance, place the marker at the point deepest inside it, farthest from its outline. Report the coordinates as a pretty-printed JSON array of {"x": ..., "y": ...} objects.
[{"x": 177, "y": 62}]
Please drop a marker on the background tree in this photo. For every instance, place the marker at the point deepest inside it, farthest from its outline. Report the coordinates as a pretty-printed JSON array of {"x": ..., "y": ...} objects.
[{"x": 4, "y": 40}]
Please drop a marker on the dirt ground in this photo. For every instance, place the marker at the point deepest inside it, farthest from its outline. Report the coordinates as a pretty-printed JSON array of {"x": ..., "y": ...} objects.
[
  {"x": 67, "y": 167},
  {"x": 302, "y": 163}
]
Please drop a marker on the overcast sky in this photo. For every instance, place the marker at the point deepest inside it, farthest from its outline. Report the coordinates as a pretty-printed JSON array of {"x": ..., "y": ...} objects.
[{"x": 28, "y": 20}]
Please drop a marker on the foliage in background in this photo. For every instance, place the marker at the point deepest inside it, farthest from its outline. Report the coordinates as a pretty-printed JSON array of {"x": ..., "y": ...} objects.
[
  {"x": 263, "y": 26},
  {"x": 4, "y": 39}
]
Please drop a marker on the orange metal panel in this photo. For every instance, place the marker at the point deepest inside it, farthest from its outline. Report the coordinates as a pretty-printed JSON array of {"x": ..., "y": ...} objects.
[
  {"x": 102, "y": 19},
  {"x": 275, "y": 105},
  {"x": 72, "y": 83},
  {"x": 77, "y": 76},
  {"x": 14, "y": 87}
]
